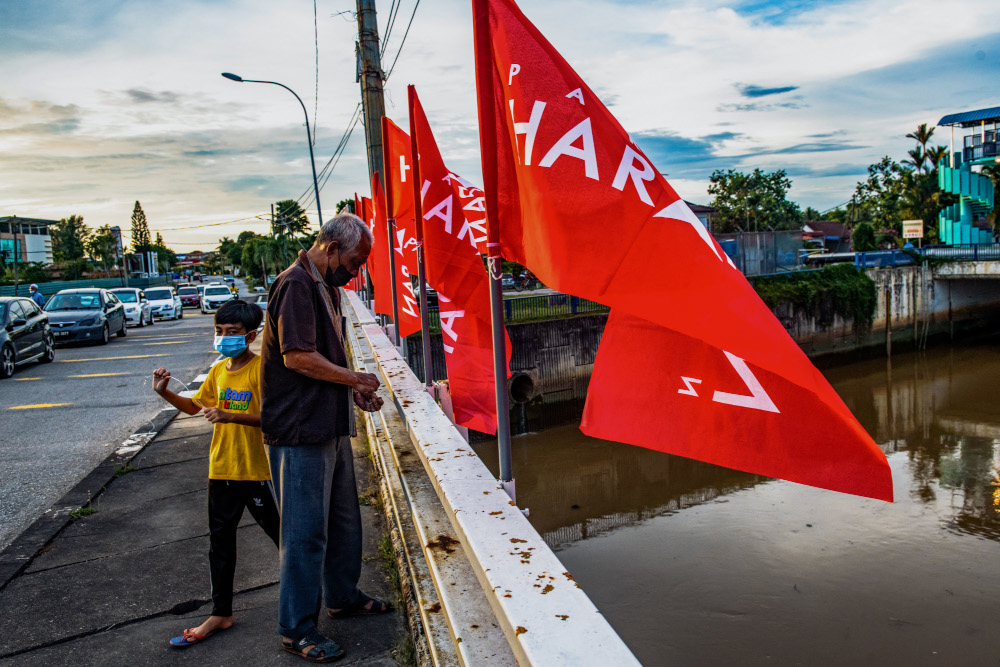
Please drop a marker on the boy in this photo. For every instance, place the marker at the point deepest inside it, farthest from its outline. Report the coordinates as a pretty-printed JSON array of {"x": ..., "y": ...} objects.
[{"x": 238, "y": 471}]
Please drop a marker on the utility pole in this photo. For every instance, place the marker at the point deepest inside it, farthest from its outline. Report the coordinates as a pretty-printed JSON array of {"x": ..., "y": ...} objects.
[
  {"x": 370, "y": 78},
  {"x": 15, "y": 227}
]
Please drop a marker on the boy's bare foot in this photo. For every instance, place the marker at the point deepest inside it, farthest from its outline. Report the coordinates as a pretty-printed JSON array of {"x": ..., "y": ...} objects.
[{"x": 214, "y": 624}]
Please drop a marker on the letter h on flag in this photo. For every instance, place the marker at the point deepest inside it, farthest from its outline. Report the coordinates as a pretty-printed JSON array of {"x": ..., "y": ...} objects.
[{"x": 692, "y": 362}]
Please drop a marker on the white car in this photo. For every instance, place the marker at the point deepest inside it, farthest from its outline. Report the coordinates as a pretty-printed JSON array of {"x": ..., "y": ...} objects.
[
  {"x": 165, "y": 303},
  {"x": 138, "y": 312},
  {"x": 215, "y": 296}
]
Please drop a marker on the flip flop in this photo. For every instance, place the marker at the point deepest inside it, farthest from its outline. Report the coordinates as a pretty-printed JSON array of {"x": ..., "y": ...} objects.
[{"x": 190, "y": 638}]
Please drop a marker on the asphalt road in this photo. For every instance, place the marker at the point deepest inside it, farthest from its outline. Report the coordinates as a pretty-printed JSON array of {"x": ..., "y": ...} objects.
[{"x": 59, "y": 420}]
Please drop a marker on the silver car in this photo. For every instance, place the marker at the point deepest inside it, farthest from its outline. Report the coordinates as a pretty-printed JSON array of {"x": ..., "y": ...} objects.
[
  {"x": 138, "y": 312},
  {"x": 165, "y": 303},
  {"x": 215, "y": 295}
]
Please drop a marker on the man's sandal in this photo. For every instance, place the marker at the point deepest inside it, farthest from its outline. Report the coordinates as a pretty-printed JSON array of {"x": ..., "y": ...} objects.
[
  {"x": 322, "y": 649},
  {"x": 364, "y": 606}
]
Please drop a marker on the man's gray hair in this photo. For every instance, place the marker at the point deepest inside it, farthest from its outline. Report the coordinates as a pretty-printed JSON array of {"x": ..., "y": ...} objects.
[{"x": 346, "y": 229}]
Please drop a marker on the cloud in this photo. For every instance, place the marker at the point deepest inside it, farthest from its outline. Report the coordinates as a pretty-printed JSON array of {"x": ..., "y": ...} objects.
[
  {"x": 750, "y": 90},
  {"x": 757, "y": 106},
  {"x": 143, "y": 96},
  {"x": 38, "y": 118}
]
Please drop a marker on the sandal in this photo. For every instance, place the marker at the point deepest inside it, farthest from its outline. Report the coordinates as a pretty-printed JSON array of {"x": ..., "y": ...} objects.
[
  {"x": 364, "y": 606},
  {"x": 190, "y": 638},
  {"x": 323, "y": 649}
]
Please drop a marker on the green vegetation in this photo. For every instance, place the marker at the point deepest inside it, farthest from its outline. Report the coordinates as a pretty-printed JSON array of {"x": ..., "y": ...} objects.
[
  {"x": 842, "y": 289},
  {"x": 863, "y": 238},
  {"x": 387, "y": 555},
  {"x": 124, "y": 470},
  {"x": 752, "y": 202}
]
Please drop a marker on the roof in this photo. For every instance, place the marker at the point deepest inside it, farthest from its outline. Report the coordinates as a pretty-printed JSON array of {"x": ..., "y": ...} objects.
[
  {"x": 828, "y": 228},
  {"x": 969, "y": 118},
  {"x": 698, "y": 208},
  {"x": 27, "y": 221}
]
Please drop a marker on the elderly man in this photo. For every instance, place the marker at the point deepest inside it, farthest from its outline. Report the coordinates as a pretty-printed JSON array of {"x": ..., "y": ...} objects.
[
  {"x": 307, "y": 416},
  {"x": 36, "y": 296}
]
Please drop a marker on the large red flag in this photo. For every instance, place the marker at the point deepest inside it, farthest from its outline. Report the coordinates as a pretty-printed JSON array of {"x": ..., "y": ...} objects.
[
  {"x": 455, "y": 270},
  {"x": 399, "y": 200},
  {"x": 378, "y": 260},
  {"x": 569, "y": 195}
]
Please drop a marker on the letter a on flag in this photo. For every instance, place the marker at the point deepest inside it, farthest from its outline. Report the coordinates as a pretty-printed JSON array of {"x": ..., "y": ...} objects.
[{"x": 692, "y": 361}]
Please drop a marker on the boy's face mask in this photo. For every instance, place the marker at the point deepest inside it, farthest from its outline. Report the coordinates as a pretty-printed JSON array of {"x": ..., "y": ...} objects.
[{"x": 230, "y": 346}]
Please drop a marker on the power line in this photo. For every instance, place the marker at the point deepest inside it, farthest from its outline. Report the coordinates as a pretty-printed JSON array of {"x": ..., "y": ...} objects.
[
  {"x": 309, "y": 195},
  {"x": 316, "y": 97},
  {"x": 393, "y": 13},
  {"x": 400, "y": 50},
  {"x": 209, "y": 224}
]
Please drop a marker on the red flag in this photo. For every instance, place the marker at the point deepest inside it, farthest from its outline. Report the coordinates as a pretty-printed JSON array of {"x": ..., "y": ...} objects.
[
  {"x": 570, "y": 196},
  {"x": 357, "y": 207},
  {"x": 378, "y": 260},
  {"x": 399, "y": 201},
  {"x": 455, "y": 270}
]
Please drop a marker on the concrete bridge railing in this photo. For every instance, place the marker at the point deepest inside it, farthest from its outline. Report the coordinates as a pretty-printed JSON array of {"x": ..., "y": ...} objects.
[{"x": 487, "y": 588}]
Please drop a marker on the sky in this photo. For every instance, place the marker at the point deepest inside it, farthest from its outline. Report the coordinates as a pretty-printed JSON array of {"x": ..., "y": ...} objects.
[{"x": 107, "y": 102}]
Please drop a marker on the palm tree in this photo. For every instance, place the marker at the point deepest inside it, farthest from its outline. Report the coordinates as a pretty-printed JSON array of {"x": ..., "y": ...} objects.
[
  {"x": 922, "y": 135},
  {"x": 290, "y": 219},
  {"x": 936, "y": 155},
  {"x": 917, "y": 159}
]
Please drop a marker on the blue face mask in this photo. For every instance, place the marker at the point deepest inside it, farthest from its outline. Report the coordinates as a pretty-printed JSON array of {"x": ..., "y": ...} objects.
[{"x": 230, "y": 346}]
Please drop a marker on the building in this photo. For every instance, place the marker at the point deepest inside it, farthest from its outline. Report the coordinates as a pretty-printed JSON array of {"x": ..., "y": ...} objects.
[
  {"x": 965, "y": 222},
  {"x": 831, "y": 235},
  {"x": 703, "y": 213},
  {"x": 26, "y": 238}
]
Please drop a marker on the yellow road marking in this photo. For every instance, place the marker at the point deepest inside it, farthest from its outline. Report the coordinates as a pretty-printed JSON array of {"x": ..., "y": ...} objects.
[
  {"x": 96, "y": 375},
  {"x": 134, "y": 356},
  {"x": 169, "y": 342},
  {"x": 25, "y": 379},
  {"x": 38, "y": 405}
]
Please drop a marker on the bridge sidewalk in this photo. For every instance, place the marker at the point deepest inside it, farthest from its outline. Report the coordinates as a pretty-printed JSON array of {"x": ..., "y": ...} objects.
[{"x": 114, "y": 586}]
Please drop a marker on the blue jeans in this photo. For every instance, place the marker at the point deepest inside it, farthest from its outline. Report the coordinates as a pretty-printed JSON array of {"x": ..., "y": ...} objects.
[{"x": 320, "y": 549}]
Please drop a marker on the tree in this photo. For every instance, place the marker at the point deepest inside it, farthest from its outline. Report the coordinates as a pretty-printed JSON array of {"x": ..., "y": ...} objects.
[
  {"x": 102, "y": 246},
  {"x": 249, "y": 260},
  {"x": 752, "y": 202},
  {"x": 141, "y": 240},
  {"x": 863, "y": 238},
  {"x": 880, "y": 197},
  {"x": 230, "y": 251},
  {"x": 69, "y": 239},
  {"x": 345, "y": 206},
  {"x": 289, "y": 219},
  {"x": 165, "y": 257}
]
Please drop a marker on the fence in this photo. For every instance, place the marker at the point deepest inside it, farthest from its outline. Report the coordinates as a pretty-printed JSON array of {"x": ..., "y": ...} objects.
[
  {"x": 50, "y": 288},
  {"x": 967, "y": 252},
  {"x": 757, "y": 253}
]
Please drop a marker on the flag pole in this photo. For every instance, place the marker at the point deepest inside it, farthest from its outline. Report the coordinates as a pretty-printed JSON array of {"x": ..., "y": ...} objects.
[
  {"x": 418, "y": 214},
  {"x": 488, "y": 142},
  {"x": 390, "y": 222},
  {"x": 500, "y": 369}
]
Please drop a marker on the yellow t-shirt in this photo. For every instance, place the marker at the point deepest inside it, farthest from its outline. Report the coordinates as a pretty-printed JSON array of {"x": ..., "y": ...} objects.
[{"x": 237, "y": 451}]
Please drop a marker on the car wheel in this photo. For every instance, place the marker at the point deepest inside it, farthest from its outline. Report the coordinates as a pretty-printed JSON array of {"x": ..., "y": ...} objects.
[
  {"x": 142, "y": 320},
  {"x": 123, "y": 331},
  {"x": 6, "y": 361},
  {"x": 152, "y": 320},
  {"x": 50, "y": 350},
  {"x": 105, "y": 335},
  {"x": 180, "y": 315}
]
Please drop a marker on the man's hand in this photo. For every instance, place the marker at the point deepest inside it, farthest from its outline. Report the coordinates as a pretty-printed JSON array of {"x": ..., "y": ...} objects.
[
  {"x": 368, "y": 402},
  {"x": 365, "y": 383},
  {"x": 217, "y": 416},
  {"x": 161, "y": 378}
]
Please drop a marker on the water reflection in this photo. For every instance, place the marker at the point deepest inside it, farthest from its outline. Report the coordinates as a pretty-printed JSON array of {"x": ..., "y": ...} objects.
[{"x": 696, "y": 564}]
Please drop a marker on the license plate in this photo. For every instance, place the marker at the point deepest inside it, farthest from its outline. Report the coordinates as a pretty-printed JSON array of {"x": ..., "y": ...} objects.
[{"x": 61, "y": 334}]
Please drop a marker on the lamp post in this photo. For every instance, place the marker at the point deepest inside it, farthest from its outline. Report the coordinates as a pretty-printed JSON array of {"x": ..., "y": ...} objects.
[{"x": 312, "y": 160}]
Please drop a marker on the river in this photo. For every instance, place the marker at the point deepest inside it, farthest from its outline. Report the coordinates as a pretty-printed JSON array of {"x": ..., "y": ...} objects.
[{"x": 694, "y": 564}]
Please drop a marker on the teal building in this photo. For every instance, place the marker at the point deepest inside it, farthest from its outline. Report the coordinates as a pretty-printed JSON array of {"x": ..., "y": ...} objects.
[{"x": 961, "y": 223}]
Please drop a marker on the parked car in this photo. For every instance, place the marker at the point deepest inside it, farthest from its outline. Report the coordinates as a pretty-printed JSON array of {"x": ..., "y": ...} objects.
[
  {"x": 507, "y": 281},
  {"x": 165, "y": 303},
  {"x": 190, "y": 296},
  {"x": 215, "y": 295},
  {"x": 88, "y": 314},
  {"x": 138, "y": 312},
  {"x": 25, "y": 334}
]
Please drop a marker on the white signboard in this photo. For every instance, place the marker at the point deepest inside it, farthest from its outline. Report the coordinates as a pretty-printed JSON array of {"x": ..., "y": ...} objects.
[{"x": 913, "y": 229}]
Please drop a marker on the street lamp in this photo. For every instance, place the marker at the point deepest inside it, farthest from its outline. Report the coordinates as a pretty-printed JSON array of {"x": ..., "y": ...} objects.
[{"x": 312, "y": 160}]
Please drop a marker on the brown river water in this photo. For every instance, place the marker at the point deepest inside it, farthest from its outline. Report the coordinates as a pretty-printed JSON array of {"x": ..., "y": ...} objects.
[{"x": 694, "y": 564}]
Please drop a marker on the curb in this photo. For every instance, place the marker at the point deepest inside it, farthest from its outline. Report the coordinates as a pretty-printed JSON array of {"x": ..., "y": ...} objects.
[{"x": 26, "y": 546}]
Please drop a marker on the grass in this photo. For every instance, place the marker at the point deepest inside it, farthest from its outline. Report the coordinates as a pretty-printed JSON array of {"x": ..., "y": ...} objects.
[
  {"x": 371, "y": 497},
  {"x": 124, "y": 470},
  {"x": 86, "y": 510},
  {"x": 388, "y": 557},
  {"x": 405, "y": 652}
]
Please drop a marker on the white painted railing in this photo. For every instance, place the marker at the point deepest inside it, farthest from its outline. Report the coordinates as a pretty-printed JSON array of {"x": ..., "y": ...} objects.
[{"x": 545, "y": 616}]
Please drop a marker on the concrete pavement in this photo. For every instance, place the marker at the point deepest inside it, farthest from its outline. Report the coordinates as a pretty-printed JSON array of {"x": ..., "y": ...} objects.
[{"x": 113, "y": 587}]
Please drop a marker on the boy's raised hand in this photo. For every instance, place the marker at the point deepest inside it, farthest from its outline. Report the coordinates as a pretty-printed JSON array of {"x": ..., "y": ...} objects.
[{"x": 161, "y": 378}]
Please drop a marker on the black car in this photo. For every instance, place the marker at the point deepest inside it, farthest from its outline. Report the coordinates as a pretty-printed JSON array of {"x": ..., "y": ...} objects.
[
  {"x": 85, "y": 315},
  {"x": 24, "y": 334}
]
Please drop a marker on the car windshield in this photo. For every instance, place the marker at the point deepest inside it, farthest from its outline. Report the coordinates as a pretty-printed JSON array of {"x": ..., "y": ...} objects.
[
  {"x": 216, "y": 291},
  {"x": 127, "y": 297},
  {"x": 158, "y": 294},
  {"x": 184, "y": 291},
  {"x": 74, "y": 302}
]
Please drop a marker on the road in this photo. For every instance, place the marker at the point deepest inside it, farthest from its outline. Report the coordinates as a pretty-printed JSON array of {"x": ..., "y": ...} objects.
[{"x": 59, "y": 420}]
